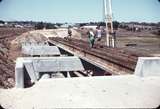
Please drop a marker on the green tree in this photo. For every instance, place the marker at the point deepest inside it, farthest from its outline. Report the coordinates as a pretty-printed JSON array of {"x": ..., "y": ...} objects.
[
  {"x": 39, "y": 25},
  {"x": 116, "y": 25},
  {"x": 82, "y": 24},
  {"x": 101, "y": 24},
  {"x": 50, "y": 26},
  {"x": 1, "y": 21},
  {"x": 58, "y": 24}
]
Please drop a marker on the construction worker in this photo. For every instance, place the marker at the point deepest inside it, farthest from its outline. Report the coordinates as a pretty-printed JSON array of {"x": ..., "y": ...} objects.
[
  {"x": 91, "y": 38},
  {"x": 98, "y": 34},
  {"x": 69, "y": 32}
]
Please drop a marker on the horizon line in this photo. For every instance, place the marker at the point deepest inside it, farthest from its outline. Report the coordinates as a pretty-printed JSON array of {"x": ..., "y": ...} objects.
[{"x": 78, "y": 22}]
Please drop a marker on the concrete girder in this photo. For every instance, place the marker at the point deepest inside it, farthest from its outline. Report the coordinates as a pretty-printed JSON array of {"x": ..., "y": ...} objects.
[
  {"x": 36, "y": 65},
  {"x": 34, "y": 50}
]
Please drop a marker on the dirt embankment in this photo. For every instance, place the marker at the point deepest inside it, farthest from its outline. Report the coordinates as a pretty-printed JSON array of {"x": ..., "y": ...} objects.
[
  {"x": 6, "y": 61},
  {"x": 62, "y": 32}
]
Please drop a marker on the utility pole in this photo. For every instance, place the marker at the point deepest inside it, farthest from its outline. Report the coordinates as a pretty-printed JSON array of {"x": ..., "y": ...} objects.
[{"x": 110, "y": 41}]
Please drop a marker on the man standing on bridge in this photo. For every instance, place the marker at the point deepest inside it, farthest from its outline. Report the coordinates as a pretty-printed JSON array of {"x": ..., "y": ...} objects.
[
  {"x": 69, "y": 32},
  {"x": 98, "y": 33},
  {"x": 91, "y": 38}
]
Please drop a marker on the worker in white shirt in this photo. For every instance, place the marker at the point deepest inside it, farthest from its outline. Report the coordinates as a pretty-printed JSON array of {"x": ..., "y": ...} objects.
[{"x": 98, "y": 34}]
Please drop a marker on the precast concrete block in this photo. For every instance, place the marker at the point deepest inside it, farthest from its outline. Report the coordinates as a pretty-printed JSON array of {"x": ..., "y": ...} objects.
[
  {"x": 148, "y": 66},
  {"x": 37, "y": 65},
  {"x": 30, "y": 70},
  {"x": 41, "y": 50},
  {"x": 57, "y": 64},
  {"x": 19, "y": 73}
]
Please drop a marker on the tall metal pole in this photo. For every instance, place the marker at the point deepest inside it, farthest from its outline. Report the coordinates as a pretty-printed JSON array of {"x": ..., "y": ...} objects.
[
  {"x": 110, "y": 21},
  {"x": 107, "y": 31},
  {"x": 110, "y": 15}
]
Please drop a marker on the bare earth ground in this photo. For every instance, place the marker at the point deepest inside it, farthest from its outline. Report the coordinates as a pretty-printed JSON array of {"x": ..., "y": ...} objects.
[
  {"x": 140, "y": 42},
  {"x": 146, "y": 45},
  {"x": 6, "y": 54}
]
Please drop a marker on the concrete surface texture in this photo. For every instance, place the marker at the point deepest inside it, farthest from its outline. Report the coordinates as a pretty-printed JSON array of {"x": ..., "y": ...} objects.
[
  {"x": 90, "y": 92},
  {"x": 19, "y": 73},
  {"x": 148, "y": 66},
  {"x": 44, "y": 64},
  {"x": 40, "y": 50},
  {"x": 36, "y": 65}
]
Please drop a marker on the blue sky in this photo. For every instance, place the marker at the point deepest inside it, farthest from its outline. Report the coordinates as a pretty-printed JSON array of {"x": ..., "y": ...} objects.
[{"x": 79, "y": 10}]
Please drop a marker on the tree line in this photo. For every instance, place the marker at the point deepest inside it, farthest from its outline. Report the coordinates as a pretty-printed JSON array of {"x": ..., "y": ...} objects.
[{"x": 42, "y": 25}]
